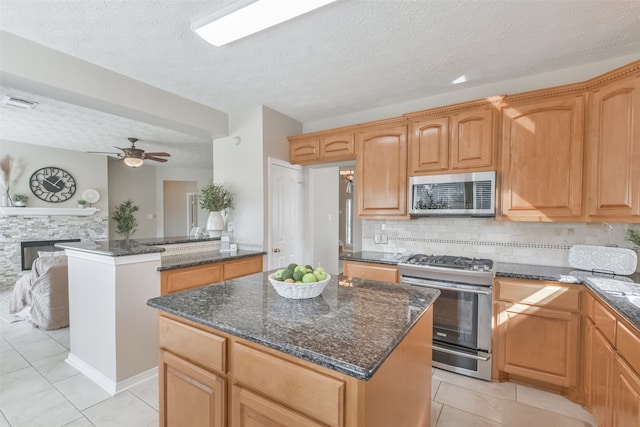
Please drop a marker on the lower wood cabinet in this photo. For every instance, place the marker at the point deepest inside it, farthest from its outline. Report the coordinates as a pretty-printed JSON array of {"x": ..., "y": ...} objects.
[
  {"x": 371, "y": 271},
  {"x": 602, "y": 357},
  {"x": 626, "y": 395},
  {"x": 180, "y": 279},
  {"x": 189, "y": 395}
]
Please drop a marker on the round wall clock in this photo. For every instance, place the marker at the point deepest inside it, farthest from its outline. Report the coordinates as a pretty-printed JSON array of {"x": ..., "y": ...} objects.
[{"x": 52, "y": 184}]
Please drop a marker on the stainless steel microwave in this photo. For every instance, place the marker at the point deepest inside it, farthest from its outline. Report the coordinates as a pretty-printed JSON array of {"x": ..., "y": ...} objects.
[{"x": 460, "y": 194}]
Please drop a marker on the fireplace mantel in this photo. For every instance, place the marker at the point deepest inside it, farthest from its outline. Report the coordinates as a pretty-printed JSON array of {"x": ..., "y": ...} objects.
[{"x": 4, "y": 211}]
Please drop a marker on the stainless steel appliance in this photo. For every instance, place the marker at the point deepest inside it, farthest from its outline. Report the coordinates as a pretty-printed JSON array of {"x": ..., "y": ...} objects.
[
  {"x": 460, "y": 194},
  {"x": 462, "y": 315}
]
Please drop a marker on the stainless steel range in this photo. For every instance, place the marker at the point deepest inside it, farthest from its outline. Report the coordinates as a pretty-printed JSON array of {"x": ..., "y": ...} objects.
[{"x": 462, "y": 315}]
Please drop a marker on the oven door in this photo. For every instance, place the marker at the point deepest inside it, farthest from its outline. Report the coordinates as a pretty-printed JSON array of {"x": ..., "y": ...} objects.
[{"x": 461, "y": 314}]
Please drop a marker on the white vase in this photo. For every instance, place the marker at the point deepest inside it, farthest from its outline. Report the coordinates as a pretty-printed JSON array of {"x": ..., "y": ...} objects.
[{"x": 216, "y": 223}]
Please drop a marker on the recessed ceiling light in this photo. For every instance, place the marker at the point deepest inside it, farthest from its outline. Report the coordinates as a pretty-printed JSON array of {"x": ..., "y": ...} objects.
[
  {"x": 246, "y": 17},
  {"x": 460, "y": 79},
  {"x": 18, "y": 103}
]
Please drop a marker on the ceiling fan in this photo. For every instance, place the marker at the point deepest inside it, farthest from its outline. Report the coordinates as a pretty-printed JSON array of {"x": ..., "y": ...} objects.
[{"x": 135, "y": 157}]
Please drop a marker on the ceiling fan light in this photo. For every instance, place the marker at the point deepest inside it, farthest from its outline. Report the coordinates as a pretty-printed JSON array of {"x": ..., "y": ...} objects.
[{"x": 133, "y": 162}]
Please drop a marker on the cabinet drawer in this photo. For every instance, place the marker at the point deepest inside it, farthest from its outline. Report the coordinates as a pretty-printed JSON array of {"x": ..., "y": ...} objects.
[
  {"x": 190, "y": 277},
  {"x": 365, "y": 270},
  {"x": 242, "y": 267},
  {"x": 628, "y": 344},
  {"x": 203, "y": 348},
  {"x": 540, "y": 294},
  {"x": 604, "y": 321},
  {"x": 308, "y": 392}
]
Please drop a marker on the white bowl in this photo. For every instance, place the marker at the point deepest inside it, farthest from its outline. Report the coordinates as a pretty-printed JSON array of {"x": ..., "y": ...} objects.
[{"x": 299, "y": 290}]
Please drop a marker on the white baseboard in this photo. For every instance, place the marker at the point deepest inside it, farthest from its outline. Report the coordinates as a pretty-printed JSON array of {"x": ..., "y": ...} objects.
[{"x": 107, "y": 384}]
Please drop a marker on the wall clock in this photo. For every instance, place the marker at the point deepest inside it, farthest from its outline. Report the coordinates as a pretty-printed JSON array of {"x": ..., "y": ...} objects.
[{"x": 52, "y": 184}]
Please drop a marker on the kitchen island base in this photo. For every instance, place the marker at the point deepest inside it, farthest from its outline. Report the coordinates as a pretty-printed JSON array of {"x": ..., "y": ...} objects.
[{"x": 211, "y": 378}]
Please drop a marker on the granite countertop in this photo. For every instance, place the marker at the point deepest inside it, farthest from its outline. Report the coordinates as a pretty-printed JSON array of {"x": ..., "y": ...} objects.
[
  {"x": 129, "y": 247},
  {"x": 614, "y": 290},
  {"x": 171, "y": 262},
  {"x": 351, "y": 328}
]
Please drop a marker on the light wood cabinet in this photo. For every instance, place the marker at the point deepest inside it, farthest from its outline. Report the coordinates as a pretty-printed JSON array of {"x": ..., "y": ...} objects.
[
  {"x": 602, "y": 357},
  {"x": 542, "y": 157},
  {"x": 190, "y": 395},
  {"x": 539, "y": 331},
  {"x": 381, "y": 172},
  {"x": 463, "y": 140},
  {"x": 181, "y": 279},
  {"x": 613, "y": 149},
  {"x": 371, "y": 271},
  {"x": 626, "y": 395},
  {"x": 329, "y": 147}
]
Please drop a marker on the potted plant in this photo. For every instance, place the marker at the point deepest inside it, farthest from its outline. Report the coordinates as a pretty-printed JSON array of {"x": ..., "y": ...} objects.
[
  {"x": 82, "y": 203},
  {"x": 126, "y": 222},
  {"x": 217, "y": 200},
  {"x": 20, "y": 200}
]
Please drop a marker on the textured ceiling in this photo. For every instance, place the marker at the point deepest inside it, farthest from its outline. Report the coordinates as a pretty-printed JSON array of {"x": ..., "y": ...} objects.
[{"x": 346, "y": 57}]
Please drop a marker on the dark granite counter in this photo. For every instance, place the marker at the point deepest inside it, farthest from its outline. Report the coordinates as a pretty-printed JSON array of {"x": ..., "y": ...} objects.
[
  {"x": 613, "y": 290},
  {"x": 112, "y": 248},
  {"x": 374, "y": 257},
  {"x": 351, "y": 328},
  {"x": 154, "y": 241},
  {"x": 171, "y": 262}
]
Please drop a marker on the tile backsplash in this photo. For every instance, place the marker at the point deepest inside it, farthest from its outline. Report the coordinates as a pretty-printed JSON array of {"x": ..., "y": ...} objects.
[{"x": 540, "y": 243}]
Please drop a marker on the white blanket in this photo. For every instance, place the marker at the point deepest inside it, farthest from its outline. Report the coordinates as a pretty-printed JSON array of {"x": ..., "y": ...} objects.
[{"x": 46, "y": 291}]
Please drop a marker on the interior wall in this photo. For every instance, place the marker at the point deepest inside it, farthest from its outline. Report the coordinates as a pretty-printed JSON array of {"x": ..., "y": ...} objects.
[
  {"x": 200, "y": 176},
  {"x": 139, "y": 185},
  {"x": 459, "y": 93},
  {"x": 175, "y": 210},
  {"x": 88, "y": 170},
  {"x": 324, "y": 216},
  {"x": 240, "y": 167}
]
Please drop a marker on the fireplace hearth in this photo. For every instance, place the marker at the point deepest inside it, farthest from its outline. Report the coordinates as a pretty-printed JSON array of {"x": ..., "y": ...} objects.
[{"x": 29, "y": 250}]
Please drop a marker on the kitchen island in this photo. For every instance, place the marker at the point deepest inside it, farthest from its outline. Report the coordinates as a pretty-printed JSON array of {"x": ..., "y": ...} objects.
[{"x": 236, "y": 353}]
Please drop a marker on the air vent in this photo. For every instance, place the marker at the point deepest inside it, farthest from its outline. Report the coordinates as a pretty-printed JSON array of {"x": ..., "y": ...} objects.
[{"x": 18, "y": 103}]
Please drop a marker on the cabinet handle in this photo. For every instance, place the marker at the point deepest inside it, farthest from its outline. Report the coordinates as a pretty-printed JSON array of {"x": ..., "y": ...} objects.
[{"x": 276, "y": 250}]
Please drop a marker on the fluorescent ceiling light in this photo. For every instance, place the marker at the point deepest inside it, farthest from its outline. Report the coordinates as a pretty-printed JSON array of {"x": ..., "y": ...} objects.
[
  {"x": 460, "y": 79},
  {"x": 232, "y": 23}
]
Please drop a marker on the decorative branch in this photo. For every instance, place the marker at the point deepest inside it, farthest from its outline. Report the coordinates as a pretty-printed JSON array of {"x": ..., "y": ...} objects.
[{"x": 10, "y": 171}]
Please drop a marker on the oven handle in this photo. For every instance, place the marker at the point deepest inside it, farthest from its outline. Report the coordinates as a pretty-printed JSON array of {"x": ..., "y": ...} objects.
[
  {"x": 459, "y": 353},
  {"x": 435, "y": 285}
]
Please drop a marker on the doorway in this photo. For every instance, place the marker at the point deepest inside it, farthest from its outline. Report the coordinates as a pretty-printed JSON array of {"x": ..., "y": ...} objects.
[{"x": 177, "y": 210}]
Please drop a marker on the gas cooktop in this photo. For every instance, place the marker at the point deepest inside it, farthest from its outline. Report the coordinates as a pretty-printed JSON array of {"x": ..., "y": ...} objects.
[{"x": 450, "y": 261}]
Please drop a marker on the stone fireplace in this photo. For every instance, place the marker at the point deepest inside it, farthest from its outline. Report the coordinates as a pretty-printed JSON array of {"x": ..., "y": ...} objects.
[{"x": 15, "y": 229}]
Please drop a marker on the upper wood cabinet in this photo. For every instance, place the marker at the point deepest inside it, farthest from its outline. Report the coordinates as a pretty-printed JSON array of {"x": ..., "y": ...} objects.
[
  {"x": 381, "y": 172},
  {"x": 465, "y": 139},
  {"x": 613, "y": 148},
  {"x": 542, "y": 157},
  {"x": 322, "y": 148}
]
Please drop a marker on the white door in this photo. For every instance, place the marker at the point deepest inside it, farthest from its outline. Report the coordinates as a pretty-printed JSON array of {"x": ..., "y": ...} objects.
[{"x": 285, "y": 214}]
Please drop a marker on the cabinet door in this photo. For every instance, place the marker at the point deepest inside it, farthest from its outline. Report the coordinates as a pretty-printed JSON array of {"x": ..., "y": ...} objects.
[
  {"x": 191, "y": 277},
  {"x": 189, "y": 395},
  {"x": 539, "y": 343},
  {"x": 381, "y": 172},
  {"x": 304, "y": 151},
  {"x": 242, "y": 267},
  {"x": 626, "y": 396},
  {"x": 338, "y": 147},
  {"x": 542, "y": 143},
  {"x": 613, "y": 151},
  {"x": 429, "y": 146},
  {"x": 253, "y": 410},
  {"x": 601, "y": 372},
  {"x": 472, "y": 139}
]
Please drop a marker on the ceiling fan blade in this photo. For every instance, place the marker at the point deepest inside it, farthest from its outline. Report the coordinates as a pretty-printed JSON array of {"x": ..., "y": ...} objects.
[
  {"x": 104, "y": 152},
  {"x": 155, "y": 159},
  {"x": 162, "y": 154}
]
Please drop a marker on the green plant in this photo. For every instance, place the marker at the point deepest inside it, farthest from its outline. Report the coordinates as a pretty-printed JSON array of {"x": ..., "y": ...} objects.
[
  {"x": 215, "y": 197},
  {"x": 20, "y": 198},
  {"x": 634, "y": 237},
  {"x": 82, "y": 202},
  {"x": 126, "y": 222}
]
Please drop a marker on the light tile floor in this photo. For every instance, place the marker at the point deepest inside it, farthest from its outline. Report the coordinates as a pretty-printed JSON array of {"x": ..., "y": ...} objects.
[{"x": 38, "y": 388}]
